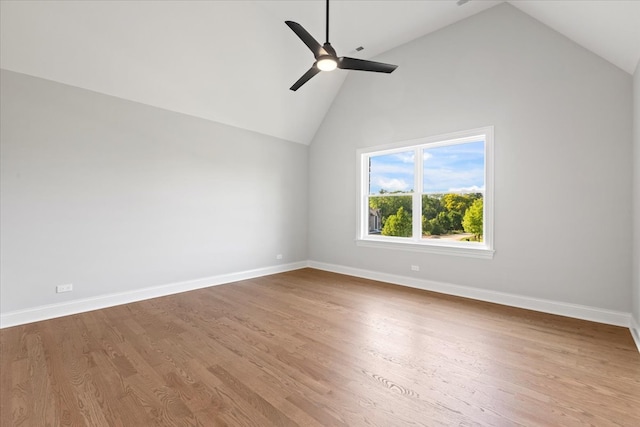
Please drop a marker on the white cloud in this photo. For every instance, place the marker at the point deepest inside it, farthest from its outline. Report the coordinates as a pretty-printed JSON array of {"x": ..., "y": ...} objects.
[
  {"x": 471, "y": 189},
  {"x": 405, "y": 157},
  {"x": 448, "y": 179},
  {"x": 392, "y": 184}
]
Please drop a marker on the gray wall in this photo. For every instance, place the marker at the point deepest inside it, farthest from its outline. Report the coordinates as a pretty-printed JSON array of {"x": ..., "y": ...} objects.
[
  {"x": 636, "y": 195},
  {"x": 563, "y": 173},
  {"x": 114, "y": 196}
]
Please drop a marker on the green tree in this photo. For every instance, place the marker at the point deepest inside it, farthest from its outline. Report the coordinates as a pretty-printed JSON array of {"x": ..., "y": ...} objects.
[
  {"x": 457, "y": 202},
  {"x": 431, "y": 206},
  {"x": 456, "y": 206},
  {"x": 472, "y": 221},
  {"x": 455, "y": 220},
  {"x": 440, "y": 224},
  {"x": 435, "y": 227},
  {"x": 389, "y": 205},
  {"x": 426, "y": 226},
  {"x": 398, "y": 224}
]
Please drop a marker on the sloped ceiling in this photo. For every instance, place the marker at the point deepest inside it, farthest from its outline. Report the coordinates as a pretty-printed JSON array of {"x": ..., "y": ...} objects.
[{"x": 233, "y": 61}]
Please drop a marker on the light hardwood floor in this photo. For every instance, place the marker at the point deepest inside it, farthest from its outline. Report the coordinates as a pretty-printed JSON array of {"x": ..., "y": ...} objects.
[{"x": 312, "y": 348}]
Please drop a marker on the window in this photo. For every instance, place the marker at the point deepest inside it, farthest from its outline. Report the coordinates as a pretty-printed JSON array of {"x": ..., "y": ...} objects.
[{"x": 433, "y": 194}]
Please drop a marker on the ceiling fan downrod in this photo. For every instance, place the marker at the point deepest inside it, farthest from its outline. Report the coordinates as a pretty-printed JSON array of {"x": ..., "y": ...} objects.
[{"x": 327, "y": 27}]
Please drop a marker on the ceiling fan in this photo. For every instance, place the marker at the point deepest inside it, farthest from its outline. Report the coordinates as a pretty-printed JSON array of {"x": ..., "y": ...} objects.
[{"x": 327, "y": 59}]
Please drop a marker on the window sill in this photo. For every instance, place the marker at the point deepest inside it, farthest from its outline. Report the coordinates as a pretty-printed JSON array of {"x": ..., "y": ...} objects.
[{"x": 482, "y": 252}]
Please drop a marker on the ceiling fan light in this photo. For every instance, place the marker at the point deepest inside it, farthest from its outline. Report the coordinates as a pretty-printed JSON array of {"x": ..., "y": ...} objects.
[{"x": 327, "y": 64}]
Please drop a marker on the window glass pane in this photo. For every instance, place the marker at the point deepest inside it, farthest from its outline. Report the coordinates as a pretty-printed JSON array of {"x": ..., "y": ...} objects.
[
  {"x": 453, "y": 193},
  {"x": 391, "y": 173},
  {"x": 455, "y": 168},
  {"x": 390, "y": 216},
  {"x": 453, "y": 217}
]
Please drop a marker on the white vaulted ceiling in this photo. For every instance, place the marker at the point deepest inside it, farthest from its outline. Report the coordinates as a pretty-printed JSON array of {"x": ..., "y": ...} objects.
[{"x": 234, "y": 61}]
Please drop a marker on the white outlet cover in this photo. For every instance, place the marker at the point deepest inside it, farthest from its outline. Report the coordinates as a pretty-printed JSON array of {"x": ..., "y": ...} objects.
[{"x": 64, "y": 288}]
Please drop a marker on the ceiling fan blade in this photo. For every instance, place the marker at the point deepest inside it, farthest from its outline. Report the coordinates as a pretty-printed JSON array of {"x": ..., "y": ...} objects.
[
  {"x": 346, "y": 63},
  {"x": 307, "y": 38},
  {"x": 305, "y": 78}
]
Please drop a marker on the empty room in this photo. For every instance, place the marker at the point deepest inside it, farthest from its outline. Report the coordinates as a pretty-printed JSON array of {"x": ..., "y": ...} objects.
[{"x": 320, "y": 213}]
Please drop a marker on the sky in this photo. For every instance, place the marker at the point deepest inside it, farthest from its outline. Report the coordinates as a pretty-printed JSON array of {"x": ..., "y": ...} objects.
[{"x": 450, "y": 169}]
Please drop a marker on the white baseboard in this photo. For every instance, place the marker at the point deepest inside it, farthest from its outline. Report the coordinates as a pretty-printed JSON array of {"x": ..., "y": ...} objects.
[
  {"x": 635, "y": 331},
  {"x": 593, "y": 314},
  {"x": 35, "y": 314},
  {"x": 617, "y": 318}
]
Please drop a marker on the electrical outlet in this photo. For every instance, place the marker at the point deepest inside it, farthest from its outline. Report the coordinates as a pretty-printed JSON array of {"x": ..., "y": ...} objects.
[
  {"x": 64, "y": 288},
  {"x": 279, "y": 256},
  {"x": 415, "y": 268}
]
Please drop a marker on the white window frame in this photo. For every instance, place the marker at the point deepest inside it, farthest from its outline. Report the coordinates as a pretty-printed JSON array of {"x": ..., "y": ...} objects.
[{"x": 484, "y": 249}]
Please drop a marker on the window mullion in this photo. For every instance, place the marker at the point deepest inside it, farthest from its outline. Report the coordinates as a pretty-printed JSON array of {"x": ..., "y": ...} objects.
[{"x": 366, "y": 191}]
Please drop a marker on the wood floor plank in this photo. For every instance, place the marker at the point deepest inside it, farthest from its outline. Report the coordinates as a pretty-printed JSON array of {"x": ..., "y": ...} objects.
[{"x": 312, "y": 348}]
